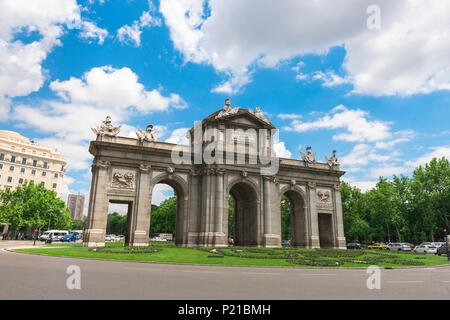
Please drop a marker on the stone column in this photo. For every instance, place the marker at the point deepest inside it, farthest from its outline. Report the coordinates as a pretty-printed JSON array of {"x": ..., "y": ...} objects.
[
  {"x": 270, "y": 239},
  {"x": 220, "y": 238},
  {"x": 94, "y": 235},
  {"x": 142, "y": 209},
  {"x": 314, "y": 238},
  {"x": 340, "y": 241}
]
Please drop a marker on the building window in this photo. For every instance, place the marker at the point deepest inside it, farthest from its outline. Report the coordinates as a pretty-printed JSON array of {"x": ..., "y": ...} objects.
[
  {"x": 2, "y": 156},
  {"x": 45, "y": 165},
  {"x": 9, "y": 179},
  {"x": 33, "y": 171},
  {"x": 44, "y": 173},
  {"x": 56, "y": 175},
  {"x": 11, "y": 168},
  {"x": 34, "y": 163},
  {"x": 1, "y": 166},
  {"x": 24, "y": 160},
  {"x": 43, "y": 183},
  {"x": 20, "y": 181},
  {"x": 54, "y": 186},
  {"x": 13, "y": 158},
  {"x": 22, "y": 170}
]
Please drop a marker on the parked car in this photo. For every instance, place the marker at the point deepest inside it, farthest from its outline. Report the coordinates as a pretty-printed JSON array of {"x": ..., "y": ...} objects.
[
  {"x": 69, "y": 238},
  {"x": 286, "y": 243},
  {"x": 399, "y": 246},
  {"x": 379, "y": 246},
  {"x": 442, "y": 250},
  {"x": 354, "y": 245},
  {"x": 424, "y": 248},
  {"x": 55, "y": 235}
]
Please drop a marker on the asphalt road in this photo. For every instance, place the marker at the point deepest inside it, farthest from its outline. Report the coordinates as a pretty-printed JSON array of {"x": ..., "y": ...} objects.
[{"x": 26, "y": 276}]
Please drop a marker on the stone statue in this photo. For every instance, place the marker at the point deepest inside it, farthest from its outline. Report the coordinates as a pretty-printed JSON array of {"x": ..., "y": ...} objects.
[
  {"x": 309, "y": 158},
  {"x": 147, "y": 135},
  {"x": 258, "y": 113},
  {"x": 333, "y": 161},
  {"x": 106, "y": 129},
  {"x": 227, "y": 110}
]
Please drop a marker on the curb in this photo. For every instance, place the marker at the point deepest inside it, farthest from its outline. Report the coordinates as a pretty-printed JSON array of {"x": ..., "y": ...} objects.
[{"x": 219, "y": 265}]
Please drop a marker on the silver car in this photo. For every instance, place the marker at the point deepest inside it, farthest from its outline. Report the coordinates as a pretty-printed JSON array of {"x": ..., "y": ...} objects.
[
  {"x": 399, "y": 246},
  {"x": 425, "y": 248}
]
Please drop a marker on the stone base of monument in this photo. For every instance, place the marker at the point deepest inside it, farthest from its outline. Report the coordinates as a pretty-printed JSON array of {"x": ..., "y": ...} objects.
[{"x": 272, "y": 241}]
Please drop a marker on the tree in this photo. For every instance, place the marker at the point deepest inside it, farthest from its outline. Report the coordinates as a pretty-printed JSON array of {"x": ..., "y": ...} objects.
[
  {"x": 163, "y": 219},
  {"x": 285, "y": 218},
  {"x": 31, "y": 204}
]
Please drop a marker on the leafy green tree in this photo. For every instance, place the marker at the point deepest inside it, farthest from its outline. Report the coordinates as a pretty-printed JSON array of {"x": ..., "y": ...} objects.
[
  {"x": 230, "y": 217},
  {"x": 163, "y": 219},
  {"x": 285, "y": 218},
  {"x": 31, "y": 204}
]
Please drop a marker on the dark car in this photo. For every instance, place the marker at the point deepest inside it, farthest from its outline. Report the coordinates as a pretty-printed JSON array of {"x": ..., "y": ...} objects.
[
  {"x": 354, "y": 245},
  {"x": 69, "y": 238},
  {"x": 442, "y": 250}
]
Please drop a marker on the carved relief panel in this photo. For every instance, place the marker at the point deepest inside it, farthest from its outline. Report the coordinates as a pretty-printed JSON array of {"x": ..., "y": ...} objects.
[
  {"x": 323, "y": 199},
  {"x": 123, "y": 178}
]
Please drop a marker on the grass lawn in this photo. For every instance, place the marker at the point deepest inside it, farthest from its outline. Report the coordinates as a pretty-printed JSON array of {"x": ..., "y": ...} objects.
[{"x": 242, "y": 256}]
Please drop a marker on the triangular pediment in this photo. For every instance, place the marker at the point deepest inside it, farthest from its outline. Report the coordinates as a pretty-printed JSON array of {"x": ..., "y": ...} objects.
[{"x": 240, "y": 117}]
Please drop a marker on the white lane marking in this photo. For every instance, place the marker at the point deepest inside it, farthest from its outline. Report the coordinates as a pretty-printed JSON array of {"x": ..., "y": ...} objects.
[
  {"x": 405, "y": 281},
  {"x": 446, "y": 281}
]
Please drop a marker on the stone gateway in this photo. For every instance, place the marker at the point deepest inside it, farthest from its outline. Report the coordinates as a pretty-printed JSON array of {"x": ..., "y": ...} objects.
[{"x": 230, "y": 153}]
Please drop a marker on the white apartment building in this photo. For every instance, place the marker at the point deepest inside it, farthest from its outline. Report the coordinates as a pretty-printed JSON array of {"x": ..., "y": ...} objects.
[{"x": 22, "y": 159}]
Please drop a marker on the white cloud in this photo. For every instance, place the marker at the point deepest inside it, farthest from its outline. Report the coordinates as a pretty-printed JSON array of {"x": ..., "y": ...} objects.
[
  {"x": 90, "y": 30},
  {"x": 358, "y": 127},
  {"x": 361, "y": 155},
  {"x": 160, "y": 193},
  {"x": 329, "y": 79},
  {"x": 133, "y": 33},
  {"x": 85, "y": 103},
  {"x": 290, "y": 116},
  {"x": 363, "y": 185},
  {"x": 437, "y": 152},
  {"x": 387, "y": 170},
  {"x": 179, "y": 137},
  {"x": 281, "y": 151},
  {"x": 407, "y": 55},
  {"x": 21, "y": 72}
]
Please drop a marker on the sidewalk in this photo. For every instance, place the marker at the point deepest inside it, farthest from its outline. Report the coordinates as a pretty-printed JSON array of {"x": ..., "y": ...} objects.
[{"x": 20, "y": 244}]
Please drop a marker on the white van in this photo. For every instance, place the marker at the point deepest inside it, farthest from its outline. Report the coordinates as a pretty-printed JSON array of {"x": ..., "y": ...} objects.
[{"x": 56, "y": 235}]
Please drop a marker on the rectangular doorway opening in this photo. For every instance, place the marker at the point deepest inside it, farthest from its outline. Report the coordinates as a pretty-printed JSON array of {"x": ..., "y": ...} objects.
[{"x": 325, "y": 230}]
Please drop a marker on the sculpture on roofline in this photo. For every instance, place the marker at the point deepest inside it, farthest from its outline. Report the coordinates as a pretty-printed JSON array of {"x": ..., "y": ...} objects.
[
  {"x": 309, "y": 158},
  {"x": 106, "y": 129},
  {"x": 333, "y": 161},
  {"x": 227, "y": 110},
  {"x": 147, "y": 135}
]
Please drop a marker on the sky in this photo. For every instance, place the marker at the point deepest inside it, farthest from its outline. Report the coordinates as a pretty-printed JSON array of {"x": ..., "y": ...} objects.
[{"x": 370, "y": 79}]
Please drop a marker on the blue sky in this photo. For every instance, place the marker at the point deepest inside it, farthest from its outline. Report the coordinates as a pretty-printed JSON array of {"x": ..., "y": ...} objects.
[{"x": 325, "y": 73}]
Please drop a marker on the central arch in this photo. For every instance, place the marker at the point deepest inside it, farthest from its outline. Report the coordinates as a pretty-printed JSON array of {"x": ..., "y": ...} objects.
[
  {"x": 245, "y": 214},
  {"x": 180, "y": 190}
]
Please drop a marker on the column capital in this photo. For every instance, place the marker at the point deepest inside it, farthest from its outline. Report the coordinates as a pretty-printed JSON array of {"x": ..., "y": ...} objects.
[
  {"x": 312, "y": 185},
  {"x": 337, "y": 187}
]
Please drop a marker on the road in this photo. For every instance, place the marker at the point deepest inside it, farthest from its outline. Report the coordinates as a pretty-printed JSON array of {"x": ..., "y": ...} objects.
[{"x": 26, "y": 276}]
